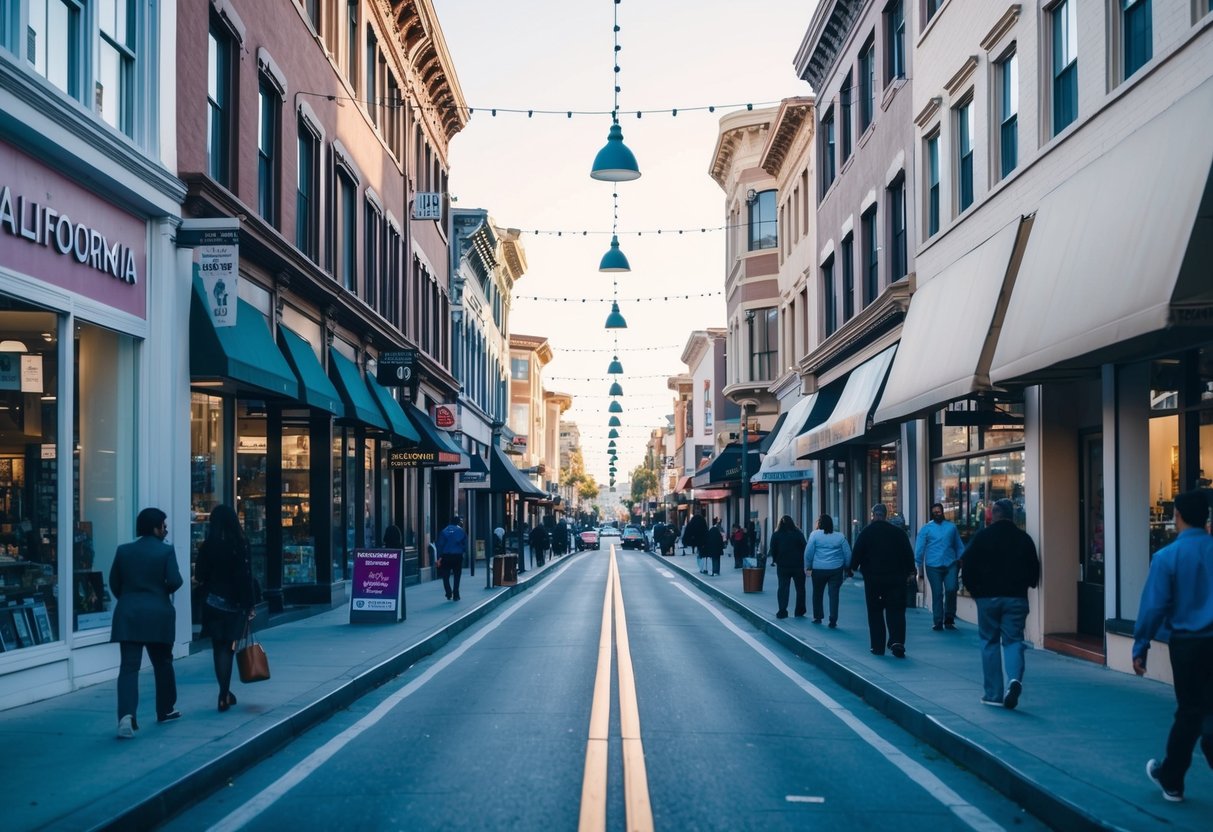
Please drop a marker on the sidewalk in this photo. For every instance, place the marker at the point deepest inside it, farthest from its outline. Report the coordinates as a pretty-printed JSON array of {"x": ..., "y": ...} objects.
[
  {"x": 1075, "y": 749},
  {"x": 63, "y": 768}
]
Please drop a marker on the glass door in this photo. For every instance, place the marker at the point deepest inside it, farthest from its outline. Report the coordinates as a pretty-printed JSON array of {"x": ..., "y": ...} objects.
[{"x": 1091, "y": 558}]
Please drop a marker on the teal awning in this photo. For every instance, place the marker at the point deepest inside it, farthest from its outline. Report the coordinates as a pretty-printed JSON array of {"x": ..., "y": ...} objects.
[
  {"x": 317, "y": 390},
  {"x": 433, "y": 439},
  {"x": 400, "y": 424},
  {"x": 359, "y": 404},
  {"x": 242, "y": 357}
]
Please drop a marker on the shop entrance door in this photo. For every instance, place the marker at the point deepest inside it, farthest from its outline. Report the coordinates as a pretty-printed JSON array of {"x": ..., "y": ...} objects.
[{"x": 1091, "y": 566}]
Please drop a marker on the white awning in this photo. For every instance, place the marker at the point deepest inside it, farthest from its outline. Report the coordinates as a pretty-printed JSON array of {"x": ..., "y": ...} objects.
[
  {"x": 948, "y": 337},
  {"x": 780, "y": 464},
  {"x": 851, "y": 415},
  {"x": 1104, "y": 260}
]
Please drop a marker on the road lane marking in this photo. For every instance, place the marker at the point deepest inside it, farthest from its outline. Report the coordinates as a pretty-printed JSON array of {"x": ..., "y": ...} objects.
[
  {"x": 804, "y": 798},
  {"x": 594, "y": 780},
  {"x": 965, "y": 811},
  {"x": 635, "y": 777},
  {"x": 297, "y": 774}
]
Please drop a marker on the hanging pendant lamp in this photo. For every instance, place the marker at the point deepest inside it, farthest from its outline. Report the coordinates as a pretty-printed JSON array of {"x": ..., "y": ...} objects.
[
  {"x": 615, "y": 163},
  {"x": 616, "y": 389},
  {"x": 613, "y": 435},
  {"x": 614, "y": 260},
  {"x": 615, "y": 407},
  {"x": 614, "y": 422},
  {"x": 615, "y": 368},
  {"x": 615, "y": 319}
]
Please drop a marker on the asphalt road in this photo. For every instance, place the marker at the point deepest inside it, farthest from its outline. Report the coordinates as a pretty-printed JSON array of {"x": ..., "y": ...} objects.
[{"x": 491, "y": 733}]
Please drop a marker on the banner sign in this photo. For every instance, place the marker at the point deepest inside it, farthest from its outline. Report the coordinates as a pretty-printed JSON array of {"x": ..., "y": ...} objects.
[
  {"x": 377, "y": 591},
  {"x": 427, "y": 206},
  {"x": 217, "y": 261},
  {"x": 396, "y": 369}
]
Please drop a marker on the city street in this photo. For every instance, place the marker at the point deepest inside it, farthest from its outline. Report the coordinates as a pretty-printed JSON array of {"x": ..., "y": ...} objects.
[{"x": 491, "y": 732}]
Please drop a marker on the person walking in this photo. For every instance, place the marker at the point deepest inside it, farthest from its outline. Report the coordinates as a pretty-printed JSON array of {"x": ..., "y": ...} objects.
[
  {"x": 741, "y": 545},
  {"x": 143, "y": 578},
  {"x": 539, "y": 543},
  {"x": 225, "y": 573},
  {"x": 452, "y": 545},
  {"x": 711, "y": 548},
  {"x": 694, "y": 533},
  {"x": 787, "y": 553},
  {"x": 827, "y": 557},
  {"x": 999, "y": 566},
  {"x": 882, "y": 552},
  {"x": 1179, "y": 590},
  {"x": 937, "y": 552}
]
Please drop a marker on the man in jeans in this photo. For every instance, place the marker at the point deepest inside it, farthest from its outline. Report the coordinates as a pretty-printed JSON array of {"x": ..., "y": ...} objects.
[
  {"x": 999, "y": 567},
  {"x": 452, "y": 543},
  {"x": 938, "y": 551},
  {"x": 1180, "y": 590}
]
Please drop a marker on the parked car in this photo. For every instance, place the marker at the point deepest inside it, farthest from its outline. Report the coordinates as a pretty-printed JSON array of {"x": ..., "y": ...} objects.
[
  {"x": 633, "y": 538},
  {"x": 608, "y": 535},
  {"x": 587, "y": 539}
]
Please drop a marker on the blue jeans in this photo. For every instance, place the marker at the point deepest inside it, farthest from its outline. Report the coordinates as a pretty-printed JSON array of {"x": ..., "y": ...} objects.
[
  {"x": 943, "y": 581},
  {"x": 1000, "y": 623}
]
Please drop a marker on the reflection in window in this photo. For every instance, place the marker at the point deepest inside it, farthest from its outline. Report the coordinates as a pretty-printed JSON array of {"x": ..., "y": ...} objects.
[
  {"x": 251, "y": 461},
  {"x": 763, "y": 221},
  {"x": 53, "y": 43},
  {"x": 298, "y": 542}
]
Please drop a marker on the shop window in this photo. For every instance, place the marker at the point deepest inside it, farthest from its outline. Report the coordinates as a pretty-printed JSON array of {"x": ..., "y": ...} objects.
[
  {"x": 251, "y": 480},
  {"x": 30, "y": 485},
  {"x": 298, "y": 543},
  {"x": 209, "y": 468},
  {"x": 370, "y": 532},
  {"x": 345, "y": 498},
  {"x": 882, "y": 476},
  {"x": 104, "y": 461}
]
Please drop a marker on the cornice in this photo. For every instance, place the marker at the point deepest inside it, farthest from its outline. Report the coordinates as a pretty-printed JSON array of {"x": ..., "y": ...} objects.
[
  {"x": 827, "y": 35},
  {"x": 426, "y": 51},
  {"x": 928, "y": 112},
  {"x": 878, "y": 318},
  {"x": 793, "y": 114},
  {"x": 733, "y": 130},
  {"x": 957, "y": 81},
  {"x": 1004, "y": 25}
]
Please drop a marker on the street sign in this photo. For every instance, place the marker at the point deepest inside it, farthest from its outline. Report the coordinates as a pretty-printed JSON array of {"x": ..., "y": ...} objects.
[
  {"x": 427, "y": 206},
  {"x": 377, "y": 594},
  {"x": 396, "y": 369}
]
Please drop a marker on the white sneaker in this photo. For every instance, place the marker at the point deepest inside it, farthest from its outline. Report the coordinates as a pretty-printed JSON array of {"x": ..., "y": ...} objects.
[{"x": 125, "y": 728}]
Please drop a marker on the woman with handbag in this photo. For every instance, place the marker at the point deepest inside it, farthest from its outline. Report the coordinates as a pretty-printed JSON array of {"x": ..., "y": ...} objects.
[{"x": 225, "y": 572}]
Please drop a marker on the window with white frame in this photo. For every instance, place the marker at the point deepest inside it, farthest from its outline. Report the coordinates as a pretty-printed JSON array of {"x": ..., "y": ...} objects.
[
  {"x": 827, "y": 151},
  {"x": 895, "y": 40},
  {"x": 1063, "y": 22},
  {"x": 269, "y": 107},
  {"x": 1006, "y": 73},
  {"x": 54, "y": 43},
  {"x": 116, "y": 64},
  {"x": 1137, "y": 34},
  {"x": 963, "y": 119},
  {"x": 345, "y": 225},
  {"x": 372, "y": 253},
  {"x": 931, "y": 174}
]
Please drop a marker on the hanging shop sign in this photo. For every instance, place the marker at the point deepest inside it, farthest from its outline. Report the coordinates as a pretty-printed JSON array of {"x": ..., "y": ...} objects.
[
  {"x": 216, "y": 245},
  {"x": 427, "y": 206},
  {"x": 446, "y": 417},
  {"x": 396, "y": 369},
  {"x": 378, "y": 589},
  {"x": 417, "y": 458}
]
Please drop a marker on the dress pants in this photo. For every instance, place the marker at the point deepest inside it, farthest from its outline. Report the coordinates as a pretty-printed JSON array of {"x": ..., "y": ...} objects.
[
  {"x": 821, "y": 579},
  {"x": 715, "y": 564},
  {"x": 786, "y": 577},
  {"x": 944, "y": 582},
  {"x": 161, "y": 656},
  {"x": 1192, "y": 669},
  {"x": 1000, "y": 623},
  {"x": 451, "y": 569},
  {"x": 886, "y": 598}
]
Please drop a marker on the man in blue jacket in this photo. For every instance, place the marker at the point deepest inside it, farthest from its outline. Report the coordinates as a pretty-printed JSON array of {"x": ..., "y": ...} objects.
[
  {"x": 452, "y": 543},
  {"x": 938, "y": 550},
  {"x": 1180, "y": 590}
]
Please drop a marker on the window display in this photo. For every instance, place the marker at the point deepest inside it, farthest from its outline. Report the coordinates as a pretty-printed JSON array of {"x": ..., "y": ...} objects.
[
  {"x": 977, "y": 458},
  {"x": 251, "y": 463},
  {"x": 298, "y": 545}
]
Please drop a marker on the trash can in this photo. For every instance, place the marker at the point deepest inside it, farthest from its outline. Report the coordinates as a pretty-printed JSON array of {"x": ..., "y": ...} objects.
[
  {"x": 505, "y": 570},
  {"x": 751, "y": 578}
]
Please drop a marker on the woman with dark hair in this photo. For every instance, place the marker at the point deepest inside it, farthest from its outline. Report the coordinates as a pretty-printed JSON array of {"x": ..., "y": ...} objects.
[
  {"x": 787, "y": 551},
  {"x": 827, "y": 556},
  {"x": 225, "y": 573}
]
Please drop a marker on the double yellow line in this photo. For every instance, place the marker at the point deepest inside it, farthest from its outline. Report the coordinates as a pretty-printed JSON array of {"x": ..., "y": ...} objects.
[{"x": 635, "y": 780}]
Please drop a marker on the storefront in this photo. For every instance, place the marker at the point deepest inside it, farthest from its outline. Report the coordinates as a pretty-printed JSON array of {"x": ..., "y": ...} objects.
[
  {"x": 719, "y": 481},
  {"x": 86, "y": 308}
]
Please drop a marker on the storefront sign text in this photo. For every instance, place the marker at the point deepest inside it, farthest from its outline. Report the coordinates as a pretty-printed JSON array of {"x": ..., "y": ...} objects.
[
  {"x": 415, "y": 458},
  {"x": 446, "y": 416},
  {"x": 44, "y": 226},
  {"x": 377, "y": 590},
  {"x": 216, "y": 245}
]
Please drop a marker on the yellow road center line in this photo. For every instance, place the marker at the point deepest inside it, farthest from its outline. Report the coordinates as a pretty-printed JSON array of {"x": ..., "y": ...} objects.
[
  {"x": 594, "y": 780},
  {"x": 635, "y": 777}
]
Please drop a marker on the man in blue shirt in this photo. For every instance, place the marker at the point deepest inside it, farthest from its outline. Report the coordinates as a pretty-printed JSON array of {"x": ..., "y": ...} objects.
[
  {"x": 1179, "y": 591},
  {"x": 939, "y": 547},
  {"x": 452, "y": 543}
]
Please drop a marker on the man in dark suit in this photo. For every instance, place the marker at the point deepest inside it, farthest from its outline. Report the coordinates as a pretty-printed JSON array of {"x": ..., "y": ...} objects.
[
  {"x": 144, "y": 575},
  {"x": 882, "y": 552}
]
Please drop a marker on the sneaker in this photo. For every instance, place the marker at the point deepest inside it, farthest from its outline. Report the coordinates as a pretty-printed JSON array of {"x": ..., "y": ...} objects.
[
  {"x": 126, "y": 731},
  {"x": 1011, "y": 698},
  {"x": 169, "y": 717},
  {"x": 937, "y": 627},
  {"x": 993, "y": 703},
  {"x": 1173, "y": 795},
  {"x": 833, "y": 625},
  {"x": 898, "y": 650},
  {"x": 781, "y": 614}
]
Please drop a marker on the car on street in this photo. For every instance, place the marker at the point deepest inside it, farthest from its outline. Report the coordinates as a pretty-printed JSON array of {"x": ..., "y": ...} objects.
[
  {"x": 587, "y": 539},
  {"x": 633, "y": 538},
  {"x": 608, "y": 535}
]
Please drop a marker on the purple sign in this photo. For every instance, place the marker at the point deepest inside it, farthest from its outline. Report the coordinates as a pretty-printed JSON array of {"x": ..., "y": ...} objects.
[{"x": 377, "y": 594}]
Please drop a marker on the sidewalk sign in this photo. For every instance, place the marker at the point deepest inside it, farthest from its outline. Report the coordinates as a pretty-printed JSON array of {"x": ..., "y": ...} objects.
[{"x": 377, "y": 594}]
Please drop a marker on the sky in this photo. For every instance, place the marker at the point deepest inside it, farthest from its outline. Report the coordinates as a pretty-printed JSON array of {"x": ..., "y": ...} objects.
[{"x": 532, "y": 173}]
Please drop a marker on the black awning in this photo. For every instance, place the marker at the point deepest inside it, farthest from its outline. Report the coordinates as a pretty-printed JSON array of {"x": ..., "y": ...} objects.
[
  {"x": 433, "y": 440},
  {"x": 504, "y": 476},
  {"x": 765, "y": 444},
  {"x": 725, "y": 467}
]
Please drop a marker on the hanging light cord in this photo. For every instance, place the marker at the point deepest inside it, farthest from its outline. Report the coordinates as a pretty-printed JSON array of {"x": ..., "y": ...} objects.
[{"x": 615, "y": 61}]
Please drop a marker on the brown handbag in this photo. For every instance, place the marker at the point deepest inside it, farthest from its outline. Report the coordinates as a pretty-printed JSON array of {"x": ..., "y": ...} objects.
[{"x": 254, "y": 665}]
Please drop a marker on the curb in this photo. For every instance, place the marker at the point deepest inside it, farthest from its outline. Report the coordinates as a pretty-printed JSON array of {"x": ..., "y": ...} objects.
[
  {"x": 208, "y": 776},
  {"x": 986, "y": 760}
]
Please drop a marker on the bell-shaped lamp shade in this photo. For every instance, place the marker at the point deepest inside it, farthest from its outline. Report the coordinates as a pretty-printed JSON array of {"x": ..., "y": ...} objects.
[
  {"x": 613, "y": 435},
  {"x": 614, "y": 422},
  {"x": 615, "y": 319},
  {"x": 615, "y": 407},
  {"x": 615, "y": 368},
  {"x": 615, "y": 163},
  {"x": 616, "y": 389},
  {"x": 614, "y": 260}
]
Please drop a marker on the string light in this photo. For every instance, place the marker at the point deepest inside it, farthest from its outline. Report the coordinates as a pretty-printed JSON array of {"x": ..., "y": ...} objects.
[
  {"x": 717, "y": 293},
  {"x": 564, "y": 232},
  {"x": 599, "y": 378}
]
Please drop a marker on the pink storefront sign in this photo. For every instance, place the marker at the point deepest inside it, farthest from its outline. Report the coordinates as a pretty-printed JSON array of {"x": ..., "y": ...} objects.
[{"x": 66, "y": 236}]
